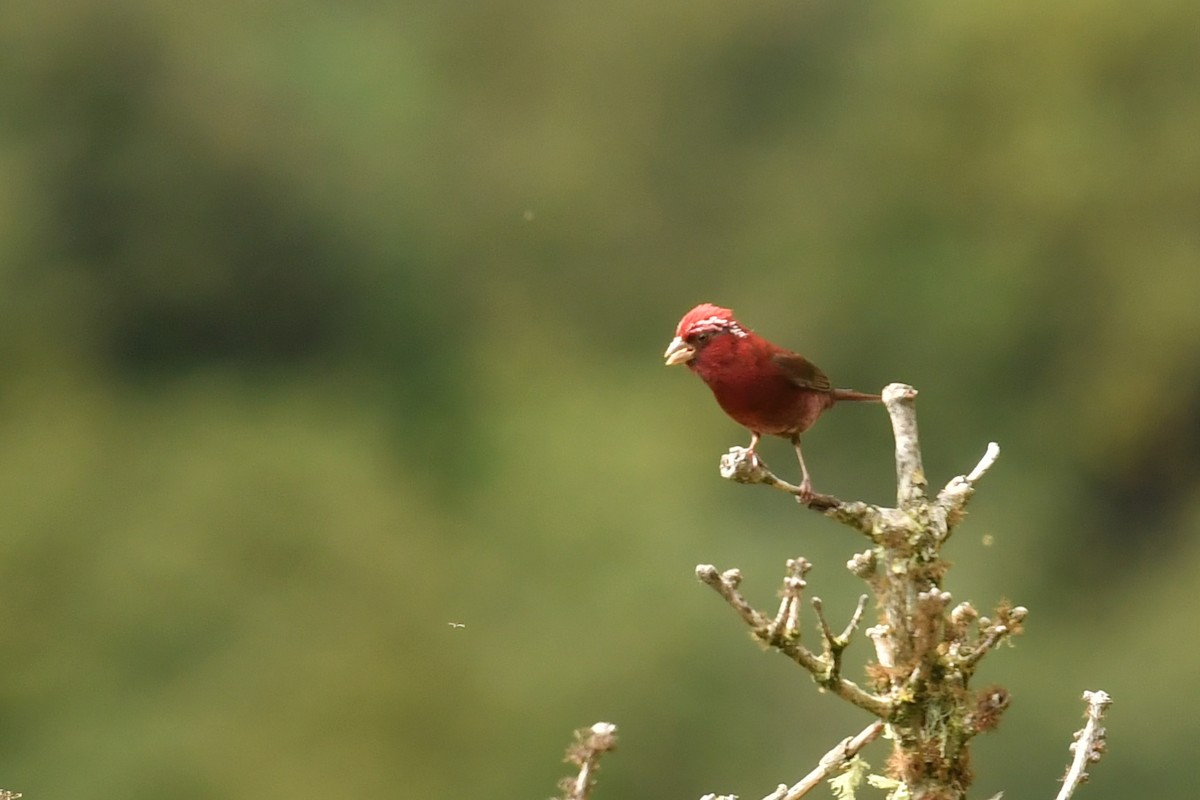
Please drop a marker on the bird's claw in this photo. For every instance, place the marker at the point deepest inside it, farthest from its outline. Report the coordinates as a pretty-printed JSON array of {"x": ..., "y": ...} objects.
[{"x": 814, "y": 500}]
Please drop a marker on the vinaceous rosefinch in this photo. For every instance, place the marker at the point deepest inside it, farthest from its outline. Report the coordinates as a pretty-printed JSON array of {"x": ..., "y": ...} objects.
[{"x": 762, "y": 386}]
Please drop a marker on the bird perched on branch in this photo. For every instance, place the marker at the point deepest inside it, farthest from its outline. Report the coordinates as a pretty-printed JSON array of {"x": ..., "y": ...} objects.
[{"x": 762, "y": 386}]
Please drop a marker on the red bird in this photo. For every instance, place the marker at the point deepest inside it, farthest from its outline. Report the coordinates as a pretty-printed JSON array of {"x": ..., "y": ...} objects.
[{"x": 762, "y": 386}]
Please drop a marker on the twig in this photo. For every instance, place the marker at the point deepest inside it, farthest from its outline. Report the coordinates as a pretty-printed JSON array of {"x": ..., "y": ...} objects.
[
  {"x": 787, "y": 620},
  {"x": 726, "y": 585},
  {"x": 762, "y": 628},
  {"x": 992, "y": 636},
  {"x": 834, "y": 645},
  {"x": 585, "y": 751},
  {"x": 1089, "y": 744},
  {"x": 985, "y": 463},
  {"x": 952, "y": 500},
  {"x": 827, "y": 636},
  {"x": 833, "y": 760},
  {"x": 855, "y": 619}
]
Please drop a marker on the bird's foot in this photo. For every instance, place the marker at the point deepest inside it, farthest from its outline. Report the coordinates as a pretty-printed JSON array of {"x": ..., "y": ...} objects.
[
  {"x": 805, "y": 496},
  {"x": 741, "y": 464}
]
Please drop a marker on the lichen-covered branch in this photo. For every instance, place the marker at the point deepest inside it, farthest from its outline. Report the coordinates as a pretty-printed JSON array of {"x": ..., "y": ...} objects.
[
  {"x": 1089, "y": 745},
  {"x": 785, "y": 636},
  {"x": 584, "y": 752},
  {"x": 991, "y": 635},
  {"x": 927, "y": 649},
  {"x": 831, "y": 762}
]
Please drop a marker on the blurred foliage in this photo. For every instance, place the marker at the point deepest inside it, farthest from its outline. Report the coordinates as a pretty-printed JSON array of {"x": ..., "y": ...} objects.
[{"x": 323, "y": 326}]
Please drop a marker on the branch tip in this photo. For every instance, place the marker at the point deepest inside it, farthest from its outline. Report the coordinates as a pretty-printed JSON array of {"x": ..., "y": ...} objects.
[
  {"x": 862, "y": 565},
  {"x": 985, "y": 463},
  {"x": 584, "y": 752},
  {"x": 855, "y": 619},
  {"x": 898, "y": 393},
  {"x": 826, "y": 631},
  {"x": 1089, "y": 745},
  {"x": 910, "y": 474}
]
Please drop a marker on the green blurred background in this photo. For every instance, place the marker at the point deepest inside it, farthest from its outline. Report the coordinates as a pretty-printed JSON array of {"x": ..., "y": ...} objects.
[{"x": 324, "y": 325}]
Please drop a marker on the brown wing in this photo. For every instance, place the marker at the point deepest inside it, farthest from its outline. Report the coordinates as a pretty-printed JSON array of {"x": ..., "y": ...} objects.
[{"x": 802, "y": 372}]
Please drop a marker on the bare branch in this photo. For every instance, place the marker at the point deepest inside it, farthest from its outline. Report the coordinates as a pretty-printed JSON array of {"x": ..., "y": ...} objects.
[
  {"x": 985, "y": 463},
  {"x": 740, "y": 465},
  {"x": 827, "y": 636},
  {"x": 787, "y": 620},
  {"x": 832, "y": 644},
  {"x": 952, "y": 500},
  {"x": 855, "y": 620},
  {"x": 867, "y": 701},
  {"x": 1089, "y": 744},
  {"x": 726, "y": 585},
  {"x": 899, "y": 399},
  {"x": 765, "y": 630},
  {"x": 832, "y": 761}
]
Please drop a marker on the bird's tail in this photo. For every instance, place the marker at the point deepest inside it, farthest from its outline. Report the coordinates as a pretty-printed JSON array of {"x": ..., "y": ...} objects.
[{"x": 860, "y": 397}]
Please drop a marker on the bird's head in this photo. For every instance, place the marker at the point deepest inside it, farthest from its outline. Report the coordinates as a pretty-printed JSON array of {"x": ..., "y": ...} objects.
[{"x": 698, "y": 327}]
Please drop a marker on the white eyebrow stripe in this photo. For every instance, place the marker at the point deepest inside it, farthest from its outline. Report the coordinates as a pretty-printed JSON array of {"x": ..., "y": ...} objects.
[{"x": 717, "y": 324}]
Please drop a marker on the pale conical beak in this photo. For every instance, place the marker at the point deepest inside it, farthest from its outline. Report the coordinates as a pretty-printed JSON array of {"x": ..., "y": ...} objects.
[{"x": 679, "y": 352}]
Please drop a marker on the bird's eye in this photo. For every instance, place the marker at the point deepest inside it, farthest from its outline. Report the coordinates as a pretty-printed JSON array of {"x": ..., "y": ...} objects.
[{"x": 703, "y": 337}]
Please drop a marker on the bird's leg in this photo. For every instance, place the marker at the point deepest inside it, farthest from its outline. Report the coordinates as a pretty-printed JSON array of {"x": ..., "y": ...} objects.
[
  {"x": 754, "y": 459},
  {"x": 805, "y": 482}
]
